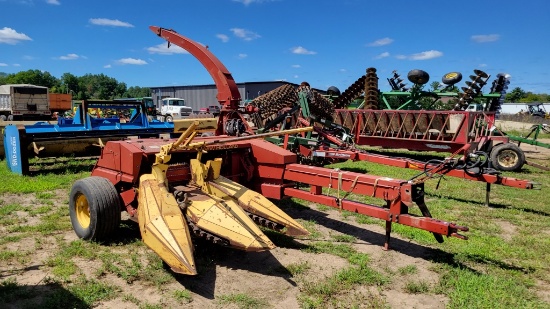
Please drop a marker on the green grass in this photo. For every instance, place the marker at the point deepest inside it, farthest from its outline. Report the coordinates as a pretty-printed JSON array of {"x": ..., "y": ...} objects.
[
  {"x": 298, "y": 268},
  {"x": 93, "y": 291},
  {"x": 242, "y": 301},
  {"x": 318, "y": 292},
  {"x": 41, "y": 183},
  {"x": 183, "y": 296},
  {"x": 417, "y": 287},
  {"x": 504, "y": 263},
  {"x": 507, "y": 244},
  {"x": 408, "y": 270}
]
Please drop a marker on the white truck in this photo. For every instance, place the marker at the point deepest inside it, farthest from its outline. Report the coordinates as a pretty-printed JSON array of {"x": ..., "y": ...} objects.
[
  {"x": 24, "y": 102},
  {"x": 174, "y": 108}
]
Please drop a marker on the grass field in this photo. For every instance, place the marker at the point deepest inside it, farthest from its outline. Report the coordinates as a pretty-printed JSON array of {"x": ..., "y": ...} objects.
[{"x": 504, "y": 264}]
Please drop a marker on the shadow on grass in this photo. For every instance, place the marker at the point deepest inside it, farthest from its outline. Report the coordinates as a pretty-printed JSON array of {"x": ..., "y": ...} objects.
[
  {"x": 500, "y": 264},
  {"x": 492, "y": 204},
  {"x": 406, "y": 247},
  {"x": 54, "y": 295},
  {"x": 209, "y": 257},
  {"x": 10, "y": 272}
]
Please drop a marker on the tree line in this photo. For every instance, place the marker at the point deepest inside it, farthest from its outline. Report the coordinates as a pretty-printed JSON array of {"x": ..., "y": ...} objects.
[
  {"x": 103, "y": 87},
  {"x": 88, "y": 86}
]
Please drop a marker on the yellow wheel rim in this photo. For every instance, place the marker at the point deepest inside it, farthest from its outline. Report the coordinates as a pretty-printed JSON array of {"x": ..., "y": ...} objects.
[
  {"x": 451, "y": 75},
  {"x": 507, "y": 158},
  {"x": 82, "y": 211}
]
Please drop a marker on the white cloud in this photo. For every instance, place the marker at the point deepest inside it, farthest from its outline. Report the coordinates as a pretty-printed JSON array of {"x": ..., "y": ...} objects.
[
  {"x": 29, "y": 57},
  {"x": 131, "y": 61},
  {"x": 242, "y": 56},
  {"x": 483, "y": 65},
  {"x": 110, "y": 22},
  {"x": 296, "y": 66},
  {"x": 302, "y": 51},
  {"x": 69, "y": 57},
  {"x": 484, "y": 38},
  {"x": 244, "y": 34},
  {"x": 163, "y": 49},
  {"x": 16, "y": 65},
  {"x": 107, "y": 66},
  {"x": 343, "y": 70},
  {"x": 53, "y": 2},
  {"x": 224, "y": 38},
  {"x": 296, "y": 76},
  {"x": 3, "y": 64},
  {"x": 247, "y": 2},
  {"x": 425, "y": 55},
  {"x": 381, "y": 42},
  {"x": 12, "y": 37},
  {"x": 382, "y": 55}
]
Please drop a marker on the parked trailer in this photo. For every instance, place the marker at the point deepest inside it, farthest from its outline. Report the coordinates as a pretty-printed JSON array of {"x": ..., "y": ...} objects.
[
  {"x": 24, "y": 102},
  {"x": 60, "y": 102},
  {"x": 441, "y": 131}
]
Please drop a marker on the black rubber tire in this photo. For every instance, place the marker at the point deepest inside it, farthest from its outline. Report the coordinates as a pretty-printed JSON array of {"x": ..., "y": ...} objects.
[
  {"x": 168, "y": 119},
  {"x": 3, "y": 118},
  {"x": 10, "y": 117},
  {"x": 418, "y": 77},
  {"x": 507, "y": 157},
  {"x": 332, "y": 90},
  {"x": 451, "y": 78},
  {"x": 99, "y": 197}
]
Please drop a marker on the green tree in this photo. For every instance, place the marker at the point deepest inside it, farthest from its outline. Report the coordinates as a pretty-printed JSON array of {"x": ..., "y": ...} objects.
[
  {"x": 69, "y": 83},
  {"x": 34, "y": 77},
  {"x": 3, "y": 77},
  {"x": 531, "y": 97},
  {"x": 137, "y": 92},
  {"x": 435, "y": 85},
  {"x": 515, "y": 95},
  {"x": 99, "y": 86}
]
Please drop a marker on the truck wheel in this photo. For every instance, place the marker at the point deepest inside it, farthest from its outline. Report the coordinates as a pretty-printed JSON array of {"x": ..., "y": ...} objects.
[
  {"x": 10, "y": 117},
  {"x": 451, "y": 78},
  {"x": 94, "y": 208},
  {"x": 418, "y": 77},
  {"x": 3, "y": 118},
  {"x": 168, "y": 118},
  {"x": 507, "y": 157}
]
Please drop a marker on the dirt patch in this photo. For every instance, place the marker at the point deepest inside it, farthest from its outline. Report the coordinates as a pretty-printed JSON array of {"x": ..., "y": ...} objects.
[
  {"x": 508, "y": 229},
  {"x": 264, "y": 276},
  {"x": 403, "y": 253},
  {"x": 506, "y": 125}
]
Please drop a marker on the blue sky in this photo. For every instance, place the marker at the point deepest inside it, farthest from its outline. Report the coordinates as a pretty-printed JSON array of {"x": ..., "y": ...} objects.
[{"x": 327, "y": 43}]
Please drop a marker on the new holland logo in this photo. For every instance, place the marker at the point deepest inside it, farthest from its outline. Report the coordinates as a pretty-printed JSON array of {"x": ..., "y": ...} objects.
[{"x": 13, "y": 143}]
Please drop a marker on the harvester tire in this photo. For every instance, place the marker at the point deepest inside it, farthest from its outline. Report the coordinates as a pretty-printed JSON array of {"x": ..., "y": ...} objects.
[
  {"x": 507, "y": 157},
  {"x": 94, "y": 208},
  {"x": 168, "y": 119},
  {"x": 10, "y": 117},
  {"x": 3, "y": 118}
]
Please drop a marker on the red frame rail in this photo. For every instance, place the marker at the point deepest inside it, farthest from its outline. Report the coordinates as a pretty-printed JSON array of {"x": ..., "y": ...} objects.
[{"x": 398, "y": 195}]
